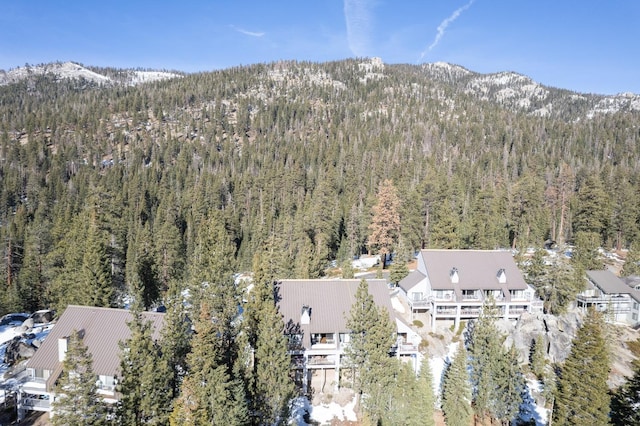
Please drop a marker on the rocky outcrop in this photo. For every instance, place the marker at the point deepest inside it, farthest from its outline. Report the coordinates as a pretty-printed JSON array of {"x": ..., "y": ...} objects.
[
  {"x": 18, "y": 349},
  {"x": 556, "y": 331}
]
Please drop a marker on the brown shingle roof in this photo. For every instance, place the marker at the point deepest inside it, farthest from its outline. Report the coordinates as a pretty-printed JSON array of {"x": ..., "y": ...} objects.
[
  {"x": 330, "y": 302},
  {"x": 477, "y": 269},
  {"x": 103, "y": 329}
]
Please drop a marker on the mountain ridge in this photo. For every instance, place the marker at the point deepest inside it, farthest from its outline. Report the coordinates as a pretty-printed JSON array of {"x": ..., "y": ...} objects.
[
  {"x": 511, "y": 90},
  {"x": 73, "y": 70}
]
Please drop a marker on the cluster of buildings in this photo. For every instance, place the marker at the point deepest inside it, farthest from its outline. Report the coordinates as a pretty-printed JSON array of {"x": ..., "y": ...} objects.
[{"x": 447, "y": 287}]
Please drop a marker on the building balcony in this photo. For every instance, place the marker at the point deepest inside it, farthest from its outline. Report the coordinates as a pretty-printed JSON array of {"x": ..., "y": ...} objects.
[
  {"x": 470, "y": 311},
  {"x": 625, "y": 299},
  {"x": 442, "y": 310},
  {"x": 36, "y": 384},
  {"x": 322, "y": 361},
  {"x": 420, "y": 304},
  {"x": 35, "y": 402},
  {"x": 406, "y": 348}
]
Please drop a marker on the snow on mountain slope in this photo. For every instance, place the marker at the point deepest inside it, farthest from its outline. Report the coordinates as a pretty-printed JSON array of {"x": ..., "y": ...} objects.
[
  {"x": 70, "y": 70},
  {"x": 520, "y": 93},
  {"x": 60, "y": 70}
]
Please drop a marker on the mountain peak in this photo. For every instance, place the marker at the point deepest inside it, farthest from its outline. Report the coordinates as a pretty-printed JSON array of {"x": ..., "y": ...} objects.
[{"x": 72, "y": 70}]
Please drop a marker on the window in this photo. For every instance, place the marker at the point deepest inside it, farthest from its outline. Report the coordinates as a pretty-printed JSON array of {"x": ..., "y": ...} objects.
[
  {"x": 517, "y": 294},
  {"x": 416, "y": 296},
  {"x": 439, "y": 294},
  {"x": 106, "y": 382},
  {"x": 469, "y": 294},
  {"x": 322, "y": 338},
  {"x": 40, "y": 374}
]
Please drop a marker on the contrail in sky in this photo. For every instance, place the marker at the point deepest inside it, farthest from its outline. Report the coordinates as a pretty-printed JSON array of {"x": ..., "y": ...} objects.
[
  {"x": 443, "y": 26},
  {"x": 245, "y": 32},
  {"x": 358, "y": 18}
]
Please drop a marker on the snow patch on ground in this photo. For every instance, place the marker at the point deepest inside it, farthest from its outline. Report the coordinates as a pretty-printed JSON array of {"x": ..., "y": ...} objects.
[
  {"x": 397, "y": 305},
  {"x": 323, "y": 414},
  {"x": 438, "y": 366}
]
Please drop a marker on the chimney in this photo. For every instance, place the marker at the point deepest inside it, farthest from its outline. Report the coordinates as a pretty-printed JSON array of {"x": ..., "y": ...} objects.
[
  {"x": 305, "y": 317},
  {"x": 502, "y": 276},
  {"x": 454, "y": 276},
  {"x": 63, "y": 344}
]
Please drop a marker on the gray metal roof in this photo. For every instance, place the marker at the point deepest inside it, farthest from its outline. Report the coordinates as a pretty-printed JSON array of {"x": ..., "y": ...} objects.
[
  {"x": 477, "y": 269},
  {"x": 330, "y": 302},
  {"x": 608, "y": 282},
  {"x": 103, "y": 328},
  {"x": 411, "y": 280}
]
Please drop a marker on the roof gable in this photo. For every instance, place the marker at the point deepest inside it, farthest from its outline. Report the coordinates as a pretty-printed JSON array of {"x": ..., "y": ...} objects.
[
  {"x": 413, "y": 279},
  {"x": 103, "y": 329}
]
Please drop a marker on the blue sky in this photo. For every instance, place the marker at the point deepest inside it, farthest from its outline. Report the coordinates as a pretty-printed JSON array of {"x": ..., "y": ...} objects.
[{"x": 587, "y": 46}]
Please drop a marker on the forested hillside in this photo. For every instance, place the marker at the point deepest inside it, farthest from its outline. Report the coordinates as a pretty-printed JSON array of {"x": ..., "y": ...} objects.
[{"x": 105, "y": 189}]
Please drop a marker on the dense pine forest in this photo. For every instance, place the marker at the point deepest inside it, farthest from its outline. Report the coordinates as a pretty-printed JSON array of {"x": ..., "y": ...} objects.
[
  {"x": 105, "y": 189},
  {"x": 140, "y": 195}
]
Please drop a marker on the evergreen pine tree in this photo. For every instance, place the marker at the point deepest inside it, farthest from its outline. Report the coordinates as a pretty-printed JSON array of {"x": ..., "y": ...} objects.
[
  {"x": 583, "y": 399},
  {"x": 145, "y": 384},
  {"x": 372, "y": 336},
  {"x": 426, "y": 399},
  {"x": 510, "y": 386},
  {"x": 96, "y": 270},
  {"x": 632, "y": 262},
  {"x": 456, "y": 391},
  {"x": 77, "y": 401},
  {"x": 585, "y": 253},
  {"x": 485, "y": 349},
  {"x": 593, "y": 209},
  {"x": 208, "y": 394},
  {"x": 537, "y": 360},
  {"x": 625, "y": 402},
  {"x": 397, "y": 272},
  {"x": 175, "y": 340},
  {"x": 497, "y": 380},
  {"x": 347, "y": 269},
  {"x": 403, "y": 402},
  {"x": 274, "y": 387}
]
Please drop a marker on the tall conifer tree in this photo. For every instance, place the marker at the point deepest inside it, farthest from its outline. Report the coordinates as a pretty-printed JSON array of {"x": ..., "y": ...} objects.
[
  {"x": 372, "y": 336},
  {"x": 145, "y": 384},
  {"x": 625, "y": 402},
  {"x": 583, "y": 399},
  {"x": 456, "y": 391},
  {"x": 385, "y": 223},
  {"x": 77, "y": 401}
]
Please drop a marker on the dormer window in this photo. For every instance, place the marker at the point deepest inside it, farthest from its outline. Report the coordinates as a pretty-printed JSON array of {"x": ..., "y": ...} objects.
[
  {"x": 305, "y": 316},
  {"x": 502, "y": 276},
  {"x": 454, "y": 276}
]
